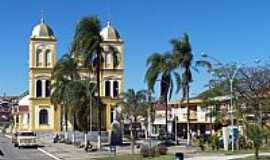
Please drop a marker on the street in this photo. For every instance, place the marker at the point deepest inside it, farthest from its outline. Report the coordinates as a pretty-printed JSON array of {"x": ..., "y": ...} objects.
[{"x": 12, "y": 153}]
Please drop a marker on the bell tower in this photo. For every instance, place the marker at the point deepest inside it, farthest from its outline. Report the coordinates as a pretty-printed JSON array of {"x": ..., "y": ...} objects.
[
  {"x": 112, "y": 76},
  {"x": 42, "y": 58}
]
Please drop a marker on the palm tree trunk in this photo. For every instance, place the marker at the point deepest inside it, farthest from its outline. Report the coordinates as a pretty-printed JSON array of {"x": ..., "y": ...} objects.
[
  {"x": 66, "y": 120},
  {"x": 90, "y": 103},
  {"x": 211, "y": 121},
  {"x": 148, "y": 122},
  {"x": 166, "y": 116},
  {"x": 256, "y": 152},
  {"x": 188, "y": 116},
  {"x": 74, "y": 123},
  {"x": 132, "y": 140},
  {"x": 98, "y": 95},
  {"x": 61, "y": 118}
]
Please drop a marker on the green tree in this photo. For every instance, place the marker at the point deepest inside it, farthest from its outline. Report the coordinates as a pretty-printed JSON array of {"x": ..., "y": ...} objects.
[
  {"x": 134, "y": 103},
  {"x": 79, "y": 99},
  {"x": 160, "y": 69},
  {"x": 183, "y": 59},
  {"x": 87, "y": 50},
  {"x": 64, "y": 72}
]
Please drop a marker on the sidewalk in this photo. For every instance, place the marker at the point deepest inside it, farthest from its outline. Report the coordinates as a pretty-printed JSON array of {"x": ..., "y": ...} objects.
[{"x": 71, "y": 152}]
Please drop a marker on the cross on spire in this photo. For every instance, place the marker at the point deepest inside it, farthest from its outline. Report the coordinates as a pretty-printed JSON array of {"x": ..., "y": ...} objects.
[
  {"x": 109, "y": 15},
  {"x": 42, "y": 16}
]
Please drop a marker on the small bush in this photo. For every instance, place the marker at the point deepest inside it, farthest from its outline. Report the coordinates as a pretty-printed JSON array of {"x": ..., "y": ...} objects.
[
  {"x": 242, "y": 142},
  {"x": 214, "y": 142},
  {"x": 162, "y": 150},
  {"x": 153, "y": 151},
  {"x": 68, "y": 141},
  {"x": 145, "y": 151},
  {"x": 201, "y": 144}
]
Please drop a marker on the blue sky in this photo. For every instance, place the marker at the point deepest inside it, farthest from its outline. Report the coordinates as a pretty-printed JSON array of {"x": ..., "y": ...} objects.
[{"x": 228, "y": 30}]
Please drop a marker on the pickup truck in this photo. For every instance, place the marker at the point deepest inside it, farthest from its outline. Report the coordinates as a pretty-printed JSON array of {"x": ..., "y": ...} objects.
[{"x": 24, "y": 139}]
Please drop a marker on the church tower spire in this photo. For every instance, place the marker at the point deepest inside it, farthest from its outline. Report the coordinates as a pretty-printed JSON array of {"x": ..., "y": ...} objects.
[{"x": 42, "y": 17}]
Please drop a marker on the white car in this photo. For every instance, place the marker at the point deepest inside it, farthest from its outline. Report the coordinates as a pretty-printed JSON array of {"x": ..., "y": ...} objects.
[{"x": 25, "y": 139}]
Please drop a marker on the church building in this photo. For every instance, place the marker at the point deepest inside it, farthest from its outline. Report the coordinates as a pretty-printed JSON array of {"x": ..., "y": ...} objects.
[{"x": 35, "y": 111}]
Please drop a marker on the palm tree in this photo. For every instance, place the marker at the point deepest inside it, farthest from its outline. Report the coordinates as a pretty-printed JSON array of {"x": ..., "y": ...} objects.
[
  {"x": 64, "y": 72},
  {"x": 148, "y": 114},
  {"x": 256, "y": 133},
  {"x": 183, "y": 59},
  {"x": 134, "y": 103},
  {"x": 161, "y": 68},
  {"x": 87, "y": 48}
]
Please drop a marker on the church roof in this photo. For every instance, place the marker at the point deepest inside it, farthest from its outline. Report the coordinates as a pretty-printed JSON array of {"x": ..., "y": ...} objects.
[
  {"x": 42, "y": 30},
  {"x": 109, "y": 33}
]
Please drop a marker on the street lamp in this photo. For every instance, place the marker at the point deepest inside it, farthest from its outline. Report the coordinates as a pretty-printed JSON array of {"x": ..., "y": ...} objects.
[
  {"x": 238, "y": 67},
  {"x": 231, "y": 78}
]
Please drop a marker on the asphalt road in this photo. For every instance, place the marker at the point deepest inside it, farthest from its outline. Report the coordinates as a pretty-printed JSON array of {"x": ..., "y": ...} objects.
[{"x": 12, "y": 153}]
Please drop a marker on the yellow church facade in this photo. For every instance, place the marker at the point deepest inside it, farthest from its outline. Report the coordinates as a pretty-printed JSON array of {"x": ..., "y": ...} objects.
[{"x": 35, "y": 111}]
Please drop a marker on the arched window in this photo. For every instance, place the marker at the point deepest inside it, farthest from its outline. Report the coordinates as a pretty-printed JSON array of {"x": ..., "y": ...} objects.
[
  {"x": 39, "y": 57},
  {"x": 38, "y": 88},
  {"x": 48, "y": 57},
  {"x": 115, "y": 88},
  {"x": 47, "y": 86},
  {"x": 107, "y": 88},
  {"x": 108, "y": 58},
  {"x": 43, "y": 116}
]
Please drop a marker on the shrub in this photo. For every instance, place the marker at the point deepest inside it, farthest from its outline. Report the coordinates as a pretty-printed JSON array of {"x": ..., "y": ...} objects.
[
  {"x": 162, "y": 149},
  {"x": 242, "y": 142},
  {"x": 67, "y": 141},
  {"x": 214, "y": 142},
  {"x": 201, "y": 143},
  {"x": 256, "y": 134},
  {"x": 153, "y": 151},
  {"x": 144, "y": 151}
]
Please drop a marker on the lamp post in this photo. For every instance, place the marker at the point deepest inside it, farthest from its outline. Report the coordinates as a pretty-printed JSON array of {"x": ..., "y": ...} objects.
[
  {"x": 231, "y": 78},
  {"x": 231, "y": 102}
]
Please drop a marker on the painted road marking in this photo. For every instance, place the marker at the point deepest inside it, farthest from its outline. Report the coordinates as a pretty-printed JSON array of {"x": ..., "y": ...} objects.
[
  {"x": 48, "y": 154},
  {"x": 39, "y": 149}
]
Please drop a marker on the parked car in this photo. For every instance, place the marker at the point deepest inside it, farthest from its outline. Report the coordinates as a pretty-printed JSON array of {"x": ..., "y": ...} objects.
[{"x": 24, "y": 139}]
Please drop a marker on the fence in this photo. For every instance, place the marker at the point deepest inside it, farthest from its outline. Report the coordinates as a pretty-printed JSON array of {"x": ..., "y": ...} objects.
[{"x": 76, "y": 137}]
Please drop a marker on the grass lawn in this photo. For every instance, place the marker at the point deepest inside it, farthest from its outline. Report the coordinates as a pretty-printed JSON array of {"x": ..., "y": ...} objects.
[
  {"x": 138, "y": 157},
  {"x": 244, "y": 151},
  {"x": 253, "y": 158}
]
